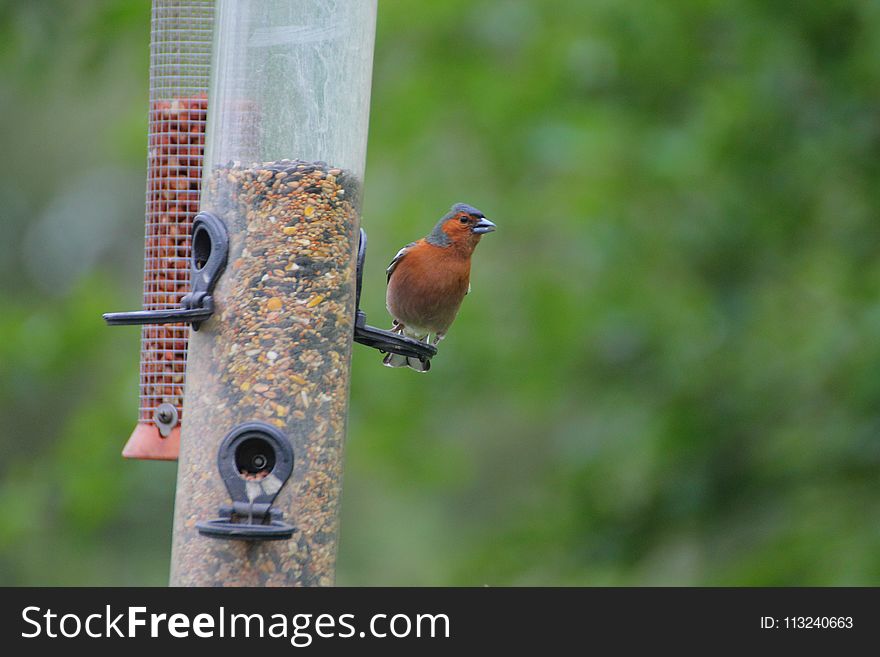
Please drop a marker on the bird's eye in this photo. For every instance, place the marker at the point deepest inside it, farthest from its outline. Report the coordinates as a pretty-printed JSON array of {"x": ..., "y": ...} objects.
[{"x": 463, "y": 220}]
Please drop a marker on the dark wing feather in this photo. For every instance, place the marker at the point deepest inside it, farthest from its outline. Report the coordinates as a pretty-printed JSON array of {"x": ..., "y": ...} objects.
[{"x": 400, "y": 255}]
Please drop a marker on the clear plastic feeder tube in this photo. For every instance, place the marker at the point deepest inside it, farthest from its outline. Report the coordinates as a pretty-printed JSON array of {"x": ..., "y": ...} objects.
[{"x": 284, "y": 161}]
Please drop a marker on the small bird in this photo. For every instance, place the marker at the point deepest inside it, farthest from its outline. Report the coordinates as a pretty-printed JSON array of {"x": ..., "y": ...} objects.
[{"x": 428, "y": 279}]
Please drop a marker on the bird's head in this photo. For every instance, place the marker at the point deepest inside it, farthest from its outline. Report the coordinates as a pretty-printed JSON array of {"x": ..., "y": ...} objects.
[{"x": 463, "y": 224}]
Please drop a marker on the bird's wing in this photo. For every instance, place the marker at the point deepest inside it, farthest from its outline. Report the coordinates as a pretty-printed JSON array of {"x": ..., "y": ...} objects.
[{"x": 400, "y": 255}]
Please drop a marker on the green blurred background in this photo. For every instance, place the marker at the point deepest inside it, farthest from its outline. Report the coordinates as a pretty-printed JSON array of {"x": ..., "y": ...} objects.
[{"x": 668, "y": 371}]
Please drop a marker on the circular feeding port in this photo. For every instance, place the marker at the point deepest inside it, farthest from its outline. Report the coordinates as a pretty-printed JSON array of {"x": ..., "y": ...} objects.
[
  {"x": 201, "y": 247},
  {"x": 254, "y": 458}
]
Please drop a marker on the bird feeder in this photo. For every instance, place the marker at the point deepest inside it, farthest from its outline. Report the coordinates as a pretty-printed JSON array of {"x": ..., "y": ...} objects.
[
  {"x": 274, "y": 257},
  {"x": 180, "y": 59},
  {"x": 267, "y": 274}
]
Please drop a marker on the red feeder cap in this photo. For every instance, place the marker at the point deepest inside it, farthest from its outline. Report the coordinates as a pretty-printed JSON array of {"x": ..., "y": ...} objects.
[{"x": 146, "y": 443}]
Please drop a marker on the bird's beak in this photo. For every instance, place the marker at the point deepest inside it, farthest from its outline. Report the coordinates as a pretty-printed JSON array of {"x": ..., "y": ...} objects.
[{"x": 483, "y": 226}]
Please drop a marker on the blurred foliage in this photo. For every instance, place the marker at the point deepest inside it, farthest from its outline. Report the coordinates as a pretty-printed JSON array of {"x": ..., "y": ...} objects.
[{"x": 666, "y": 372}]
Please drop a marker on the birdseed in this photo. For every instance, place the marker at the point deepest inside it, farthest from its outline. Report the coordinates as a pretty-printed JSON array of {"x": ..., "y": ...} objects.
[{"x": 277, "y": 350}]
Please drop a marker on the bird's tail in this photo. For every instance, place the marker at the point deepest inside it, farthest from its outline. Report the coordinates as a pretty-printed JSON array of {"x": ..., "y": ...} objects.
[{"x": 396, "y": 360}]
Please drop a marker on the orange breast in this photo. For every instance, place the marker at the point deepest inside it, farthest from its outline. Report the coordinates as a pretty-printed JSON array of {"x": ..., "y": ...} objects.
[{"x": 427, "y": 287}]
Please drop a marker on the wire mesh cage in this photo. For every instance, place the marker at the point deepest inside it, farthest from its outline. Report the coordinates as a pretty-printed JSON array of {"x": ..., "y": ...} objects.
[{"x": 180, "y": 63}]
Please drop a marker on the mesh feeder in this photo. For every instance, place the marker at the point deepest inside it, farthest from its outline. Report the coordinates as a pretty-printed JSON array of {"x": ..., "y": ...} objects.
[{"x": 180, "y": 59}]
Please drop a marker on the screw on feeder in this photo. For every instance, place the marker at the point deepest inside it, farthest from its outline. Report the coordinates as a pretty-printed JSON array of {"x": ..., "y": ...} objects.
[{"x": 166, "y": 418}]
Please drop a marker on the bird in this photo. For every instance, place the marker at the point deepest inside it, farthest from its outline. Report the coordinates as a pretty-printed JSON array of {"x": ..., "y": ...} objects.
[{"x": 428, "y": 279}]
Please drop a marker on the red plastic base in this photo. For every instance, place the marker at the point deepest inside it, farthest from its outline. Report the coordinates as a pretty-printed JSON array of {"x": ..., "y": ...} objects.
[{"x": 147, "y": 443}]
